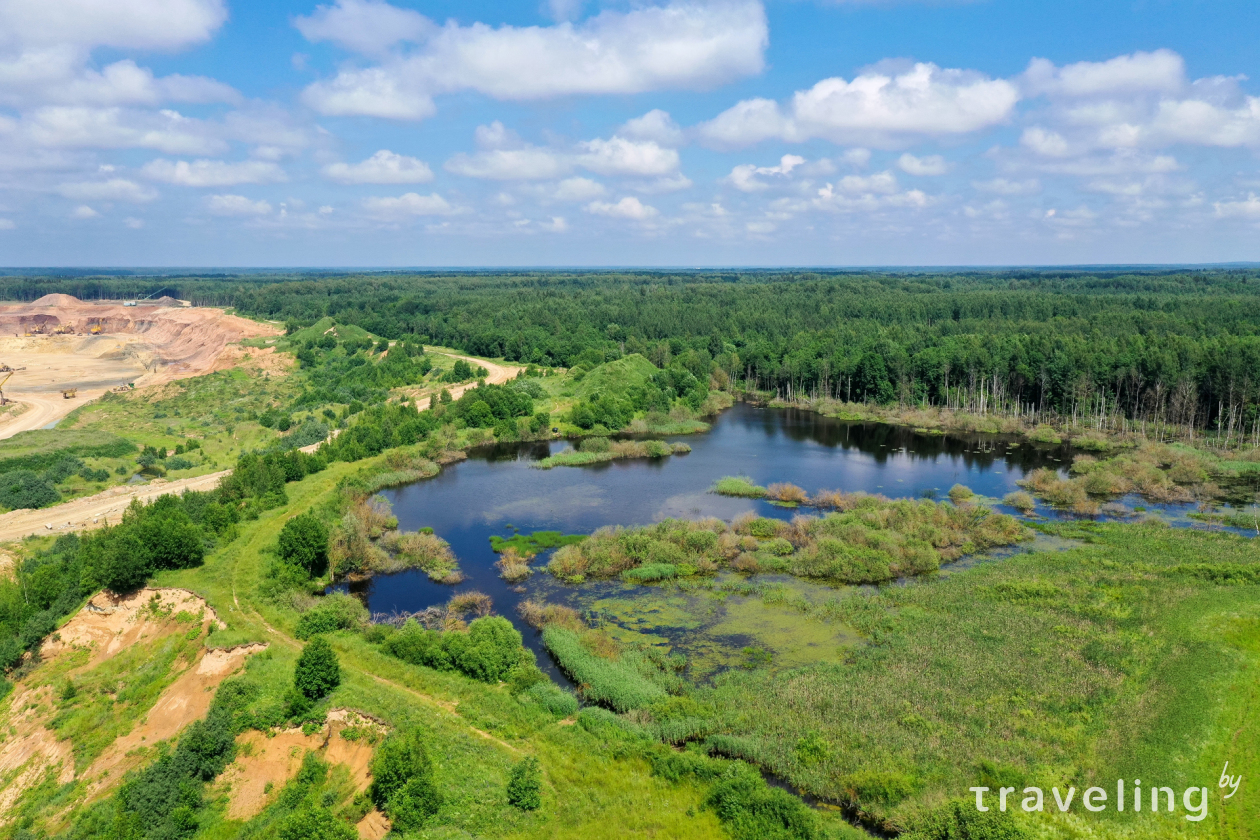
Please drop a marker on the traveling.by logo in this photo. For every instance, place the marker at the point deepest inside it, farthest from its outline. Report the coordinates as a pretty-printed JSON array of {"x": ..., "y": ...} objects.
[{"x": 1194, "y": 799}]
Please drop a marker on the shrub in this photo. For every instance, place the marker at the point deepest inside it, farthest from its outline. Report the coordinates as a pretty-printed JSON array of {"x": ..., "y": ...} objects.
[
  {"x": 317, "y": 671},
  {"x": 525, "y": 784},
  {"x": 304, "y": 543},
  {"x": 315, "y": 824},
  {"x": 959, "y": 820},
  {"x": 402, "y": 780},
  {"x": 338, "y": 611},
  {"x": 26, "y": 489},
  {"x": 1021, "y": 501},
  {"x": 959, "y": 493},
  {"x": 488, "y": 651},
  {"x": 737, "y": 485},
  {"x": 752, "y": 810}
]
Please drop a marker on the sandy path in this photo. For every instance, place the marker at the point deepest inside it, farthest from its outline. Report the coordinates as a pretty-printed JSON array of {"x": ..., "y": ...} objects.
[
  {"x": 92, "y": 511},
  {"x": 497, "y": 374},
  {"x": 43, "y": 409}
]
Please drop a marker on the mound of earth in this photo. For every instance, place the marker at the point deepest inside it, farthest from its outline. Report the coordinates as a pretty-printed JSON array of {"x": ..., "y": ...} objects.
[
  {"x": 266, "y": 761},
  {"x": 107, "y": 625}
]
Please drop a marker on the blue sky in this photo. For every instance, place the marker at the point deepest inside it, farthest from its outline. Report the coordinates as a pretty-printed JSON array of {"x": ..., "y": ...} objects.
[{"x": 665, "y": 132}]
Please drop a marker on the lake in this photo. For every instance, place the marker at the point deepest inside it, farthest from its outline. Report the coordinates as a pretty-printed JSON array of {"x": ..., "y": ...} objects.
[{"x": 497, "y": 491}]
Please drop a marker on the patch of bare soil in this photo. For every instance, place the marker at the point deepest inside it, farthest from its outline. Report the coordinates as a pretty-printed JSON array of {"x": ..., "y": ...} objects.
[
  {"x": 30, "y": 749},
  {"x": 374, "y": 826},
  {"x": 108, "y": 622},
  {"x": 184, "y": 701},
  {"x": 266, "y": 761},
  {"x": 62, "y": 342}
]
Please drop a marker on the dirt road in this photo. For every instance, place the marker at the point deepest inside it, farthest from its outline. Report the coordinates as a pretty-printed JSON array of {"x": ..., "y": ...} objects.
[
  {"x": 93, "y": 511},
  {"x": 497, "y": 374},
  {"x": 43, "y": 409}
]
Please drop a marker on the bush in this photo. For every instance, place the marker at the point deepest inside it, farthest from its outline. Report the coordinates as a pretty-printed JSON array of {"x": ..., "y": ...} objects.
[
  {"x": 315, "y": 824},
  {"x": 335, "y": 612},
  {"x": 752, "y": 810},
  {"x": 304, "y": 543},
  {"x": 959, "y": 820},
  {"x": 490, "y": 649},
  {"x": 525, "y": 784},
  {"x": 553, "y": 698},
  {"x": 402, "y": 781},
  {"x": 317, "y": 671},
  {"x": 25, "y": 489}
]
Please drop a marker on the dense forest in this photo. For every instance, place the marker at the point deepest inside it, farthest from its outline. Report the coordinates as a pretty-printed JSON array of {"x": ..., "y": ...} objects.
[{"x": 1169, "y": 347}]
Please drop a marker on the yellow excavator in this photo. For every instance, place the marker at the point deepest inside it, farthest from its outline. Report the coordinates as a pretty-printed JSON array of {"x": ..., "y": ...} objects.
[
  {"x": 68, "y": 393},
  {"x": 5, "y": 373}
]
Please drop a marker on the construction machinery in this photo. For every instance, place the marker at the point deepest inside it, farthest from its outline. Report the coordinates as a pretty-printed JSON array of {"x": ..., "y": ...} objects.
[
  {"x": 96, "y": 329},
  {"x": 64, "y": 329},
  {"x": 3, "y": 379},
  {"x": 68, "y": 393}
]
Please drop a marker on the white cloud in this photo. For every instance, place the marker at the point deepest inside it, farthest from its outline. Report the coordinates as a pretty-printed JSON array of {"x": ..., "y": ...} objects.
[
  {"x": 123, "y": 24},
  {"x": 7, "y": 224},
  {"x": 503, "y": 156},
  {"x": 133, "y": 223},
  {"x": 557, "y": 224},
  {"x": 105, "y": 128},
  {"x": 529, "y": 164},
  {"x": 744, "y": 176},
  {"x": 877, "y": 107},
  {"x": 929, "y": 165},
  {"x": 408, "y": 204},
  {"x": 578, "y": 189},
  {"x": 364, "y": 26},
  {"x": 664, "y": 184},
  {"x": 1161, "y": 71},
  {"x": 1248, "y": 208},
  {"x": 212, "y": 173},
  {"x": 56, "y": 76},
  {"x": 84, "y": 212},
  {"x": 682, "y": 45},
  {"x": 655, "y": 125},
  {"x": 1005, "y": 186},
  {"x": 628, "y": 208},
  {"x": 237, "y": 205},
  {"x": 1044, "y": 142},
  {"x": 619, "y": 156},
  {"x": 384, "y": 167},
  {"x": 114, "y": 189}
]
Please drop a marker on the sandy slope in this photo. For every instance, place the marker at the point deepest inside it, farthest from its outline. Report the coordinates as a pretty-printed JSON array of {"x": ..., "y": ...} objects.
[
  {"x": 145, "y": 345},
  {"x": 497, "y": 374},
  {"x": 93, "y": 511}
]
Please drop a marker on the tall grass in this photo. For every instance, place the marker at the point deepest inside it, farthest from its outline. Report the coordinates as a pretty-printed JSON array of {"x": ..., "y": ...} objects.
[
  {"x": 615, "y": 683},
  {"x": 600, "y": 450},
  {"x": 869, "y": 539}
]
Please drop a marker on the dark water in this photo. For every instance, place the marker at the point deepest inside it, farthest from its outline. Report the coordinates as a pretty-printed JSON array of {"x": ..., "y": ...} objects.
[{"x": 497, "y": 489}]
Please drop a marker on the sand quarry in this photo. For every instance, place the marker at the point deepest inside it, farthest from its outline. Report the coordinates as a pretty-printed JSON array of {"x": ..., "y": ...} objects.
[{"x": 147, "y": 344}]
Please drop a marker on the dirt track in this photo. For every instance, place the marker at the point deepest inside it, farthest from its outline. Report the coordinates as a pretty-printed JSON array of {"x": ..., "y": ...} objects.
[
  {"x": 497, "y": 374},
  {"x": 92, "y": 511}
]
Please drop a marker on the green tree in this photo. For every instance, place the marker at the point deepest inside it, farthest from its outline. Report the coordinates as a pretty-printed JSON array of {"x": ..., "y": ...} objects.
[
  {"x": 304, "y": 543},
  {"x": 402, "y": 780},
  {"x": 317, "y": 671},
  {"x": 525, "y": 784},
  {"x": 479, "y": 414}
]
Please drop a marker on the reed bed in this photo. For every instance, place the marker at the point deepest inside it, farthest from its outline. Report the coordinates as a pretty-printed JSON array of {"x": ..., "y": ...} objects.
[
  {"x": 600, "y": 450},
  {"x": 868, "y": 539}
]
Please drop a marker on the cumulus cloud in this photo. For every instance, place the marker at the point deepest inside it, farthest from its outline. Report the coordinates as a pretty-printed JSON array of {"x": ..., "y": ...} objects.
[
  {"x": 117, "y": 128},
  {"x": 503, "y": 156},
  {"x": 1006, "y": 186},
  {"x": 655, "y": 125},
  {"x": 122, "y": 24},
  {"x": 408, "y": 204},
  {"x": 7, "y": 224},
  {"x": 1161, "y": 71},
  {"x": 212, "y": 173},
  {"x": 627, "y": 208},
  {"x": 83, "y": 212},
  {"x": 929, "y": 165},
  {"x": 744, "y": 177},
  {"x": 1248, "y": 208},
  {"x": 876, "y": 107},
  {"x": 114, "y": 189},
  {"x": 684, "y": 45},
  {"x": 237, "y": 205},
  {"x": 367, "y": 27},
  {"x": 384, "y": 167},
  {"x": 577, "y": 189}
]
